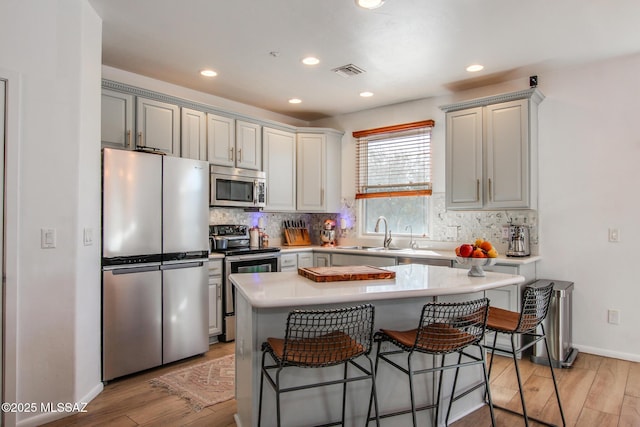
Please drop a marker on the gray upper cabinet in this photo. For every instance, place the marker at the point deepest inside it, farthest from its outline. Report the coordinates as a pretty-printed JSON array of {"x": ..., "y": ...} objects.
[
  {"x": 491, "y": 152},
  {"x": 158, "y": 126},
  {"x": 318, "y": 171},
  {"x": 248, "y": 145},
  {"x": 234, "y": 143},
  {"x": 193, "y": 141},
  {"x": 221, "y": 140},
  {"x": 117, "y": 119},
  {"x": 279, "y": 162}
]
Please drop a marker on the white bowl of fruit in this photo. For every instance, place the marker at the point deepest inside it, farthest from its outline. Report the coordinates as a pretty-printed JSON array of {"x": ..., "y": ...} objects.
[{"x": 479, "y": 254}]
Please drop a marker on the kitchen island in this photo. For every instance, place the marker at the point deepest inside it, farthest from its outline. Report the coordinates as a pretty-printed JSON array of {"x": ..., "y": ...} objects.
[{"x": 263, "y": 301}]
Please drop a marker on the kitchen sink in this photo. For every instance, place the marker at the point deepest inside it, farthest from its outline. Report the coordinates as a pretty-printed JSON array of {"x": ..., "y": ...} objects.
[
  {"x": 371, "y": 248},
  {"x": 358, "y": 247}
]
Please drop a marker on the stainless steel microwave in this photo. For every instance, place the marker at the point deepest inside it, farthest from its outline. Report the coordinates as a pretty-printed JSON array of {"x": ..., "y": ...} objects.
[{"x": 233, "y": 187}]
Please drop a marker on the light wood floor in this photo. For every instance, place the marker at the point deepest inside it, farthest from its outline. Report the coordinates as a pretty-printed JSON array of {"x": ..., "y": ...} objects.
[
  {"x": 596, "y": 392},
  {"x": 132, "y": 401}
]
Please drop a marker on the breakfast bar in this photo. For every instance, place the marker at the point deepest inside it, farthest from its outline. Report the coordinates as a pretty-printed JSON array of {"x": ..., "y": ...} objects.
[{"x": 263, "y": 301}]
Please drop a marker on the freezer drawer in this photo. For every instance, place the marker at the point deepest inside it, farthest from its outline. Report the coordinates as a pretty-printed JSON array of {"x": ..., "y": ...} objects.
[
  {"x": 186, "y": 310},
  {"x": 132, "y": 321}
]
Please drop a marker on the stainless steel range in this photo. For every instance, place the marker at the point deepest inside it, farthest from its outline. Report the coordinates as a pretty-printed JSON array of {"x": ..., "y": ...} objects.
[{"x": 233, "y": 242}]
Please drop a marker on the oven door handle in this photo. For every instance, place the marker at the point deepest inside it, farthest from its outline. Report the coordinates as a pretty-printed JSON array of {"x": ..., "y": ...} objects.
[{"x": 258, "y": 257}]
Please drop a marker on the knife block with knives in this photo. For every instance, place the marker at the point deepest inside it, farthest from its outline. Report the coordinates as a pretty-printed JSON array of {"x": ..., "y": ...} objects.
[{"x": 296, "y": 233}]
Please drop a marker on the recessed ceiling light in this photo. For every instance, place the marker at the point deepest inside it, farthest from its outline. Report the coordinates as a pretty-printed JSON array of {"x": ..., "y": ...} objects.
[
  {"x": 310, "y": 60},
  {"x": 475, "y": 67},
  {"x": 295, "y": 101},
  {"x": 366, "y": 94},
  {"x": 208, "y": 73},
  {"x": 370, "y": 4}
]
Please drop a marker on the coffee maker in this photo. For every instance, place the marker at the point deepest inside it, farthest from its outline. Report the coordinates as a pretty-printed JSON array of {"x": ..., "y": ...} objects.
[
  {"x": 518, "y": 241},
  {"x": 328, "y": 233}
]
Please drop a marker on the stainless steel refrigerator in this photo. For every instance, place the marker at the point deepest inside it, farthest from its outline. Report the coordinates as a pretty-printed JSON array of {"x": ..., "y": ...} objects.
[{"x": 155, "y": 228}]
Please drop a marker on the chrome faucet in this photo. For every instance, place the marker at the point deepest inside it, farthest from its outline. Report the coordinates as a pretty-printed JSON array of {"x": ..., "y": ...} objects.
[
  {"x": 387, "y": 233},
  {"x": 412, "y": 243}
]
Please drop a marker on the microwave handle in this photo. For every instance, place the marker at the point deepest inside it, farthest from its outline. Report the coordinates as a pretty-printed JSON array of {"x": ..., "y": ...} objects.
[{"x": 255, "y": 192}]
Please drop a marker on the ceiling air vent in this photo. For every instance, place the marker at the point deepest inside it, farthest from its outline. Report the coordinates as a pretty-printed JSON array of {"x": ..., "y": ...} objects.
[{"x": 348, "y": 70}]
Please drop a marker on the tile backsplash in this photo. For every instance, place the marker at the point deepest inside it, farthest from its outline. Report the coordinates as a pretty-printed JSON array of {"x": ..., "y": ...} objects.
[
  {"x": 448, "y": 228},
  {"x": 273, "y": 222}
]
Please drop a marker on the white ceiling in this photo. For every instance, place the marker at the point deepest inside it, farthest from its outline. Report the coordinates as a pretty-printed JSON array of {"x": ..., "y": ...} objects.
[{"x": 410, "y": 49}]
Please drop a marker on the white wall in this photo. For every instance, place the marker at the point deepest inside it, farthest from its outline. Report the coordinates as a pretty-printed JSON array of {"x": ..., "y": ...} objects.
[
  {"x": 589, "y": 157},
  {"x": 54, "y": 48},
  {"x": 589, "y": 145}
]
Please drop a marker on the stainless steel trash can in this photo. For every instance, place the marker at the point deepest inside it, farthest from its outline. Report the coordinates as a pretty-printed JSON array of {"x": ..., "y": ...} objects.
[{"x": 558, "y": 327}]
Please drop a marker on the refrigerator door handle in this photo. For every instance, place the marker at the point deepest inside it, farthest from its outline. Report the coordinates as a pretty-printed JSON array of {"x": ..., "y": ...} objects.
[
  {"x": 116, "y": 271},
  {"x": 175, "y": 266}
]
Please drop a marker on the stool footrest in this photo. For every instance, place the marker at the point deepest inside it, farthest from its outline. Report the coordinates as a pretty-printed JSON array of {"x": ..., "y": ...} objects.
[
  {"x": 520, "y": 414},
  {"x": 405, "y": 411}
]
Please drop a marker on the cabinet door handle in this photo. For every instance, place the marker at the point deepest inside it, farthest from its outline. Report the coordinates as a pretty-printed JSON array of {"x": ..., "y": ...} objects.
[
  {"x": 129, "y": 146},
  {"x": 490, "y": 191},
  {"x": 218, "y": 292},
  {"x": 477, "y": 190},
  {"x": 140, "y": 144},
  {"x": 231, "y": 154},
  {"x": 239, "y": 155}
]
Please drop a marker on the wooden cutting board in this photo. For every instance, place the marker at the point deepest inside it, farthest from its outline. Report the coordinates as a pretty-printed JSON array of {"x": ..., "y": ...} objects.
[{"x": 345, "y": 273}]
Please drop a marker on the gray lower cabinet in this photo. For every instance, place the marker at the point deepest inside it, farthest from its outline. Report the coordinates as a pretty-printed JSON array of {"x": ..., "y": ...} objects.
[
  {"x": 350, "y": 259},
  {"x": 289, "y": 262},
  {"x": 424, "y": 261},
  {"x": 305, "y": 259},
  {"x": 215, "y": 299},
  {"x": 321, "y": 260},
  {"x": 293, "y": 261}
]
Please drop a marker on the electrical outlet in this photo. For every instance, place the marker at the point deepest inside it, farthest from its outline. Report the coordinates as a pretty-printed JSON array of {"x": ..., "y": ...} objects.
[
  {"x": 613, "y": 317},
  {"x": 505, "y": 232},
  {"x": 614, "y": 235}
]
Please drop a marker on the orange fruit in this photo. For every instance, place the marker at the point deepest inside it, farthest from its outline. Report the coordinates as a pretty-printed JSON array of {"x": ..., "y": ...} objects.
[
  {"x": 458, "y": 251},
  {"x": 478, "y": 242},
  {"x": 486, "y": 245},
  {"x": 478, "y": 253},
  {"x": 492, "y": 253}
]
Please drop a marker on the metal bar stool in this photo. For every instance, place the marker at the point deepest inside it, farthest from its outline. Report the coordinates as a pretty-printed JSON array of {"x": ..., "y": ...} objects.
[
  {"x": 535, "y": 305},
  {"x": 317, "y": 339},
  {"x": 444, "y": 328}
]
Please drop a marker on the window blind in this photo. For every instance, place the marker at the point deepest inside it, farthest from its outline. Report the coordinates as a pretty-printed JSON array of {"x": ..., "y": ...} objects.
[{"x": 394, "y": 161}]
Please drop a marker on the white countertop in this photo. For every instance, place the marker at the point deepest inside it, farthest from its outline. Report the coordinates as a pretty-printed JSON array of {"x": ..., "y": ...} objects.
[
  {"x": 270, "y": 290},
  {"x": 414, "y": 253}
]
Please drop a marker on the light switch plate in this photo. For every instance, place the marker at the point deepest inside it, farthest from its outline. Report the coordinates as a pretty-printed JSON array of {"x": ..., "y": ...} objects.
[
  {"x": 47, "y": 238},
  {"x": 614, "y": 235},
  {"x": 87, "y": 236}
]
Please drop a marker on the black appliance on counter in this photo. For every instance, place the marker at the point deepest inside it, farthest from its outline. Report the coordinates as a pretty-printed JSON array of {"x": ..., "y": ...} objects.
[{"x": 233, "y": 241}]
